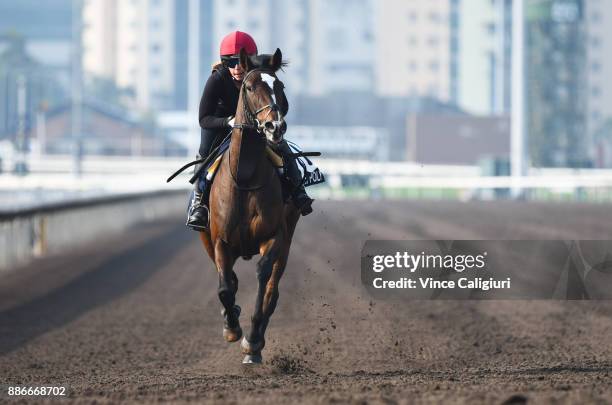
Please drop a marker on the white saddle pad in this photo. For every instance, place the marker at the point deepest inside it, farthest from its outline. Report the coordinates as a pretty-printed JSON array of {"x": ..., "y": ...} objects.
[{"x": 310, "y": 172}]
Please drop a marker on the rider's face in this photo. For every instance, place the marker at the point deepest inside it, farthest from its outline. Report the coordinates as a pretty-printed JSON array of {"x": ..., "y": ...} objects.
[{"x": 237, "y": 72}]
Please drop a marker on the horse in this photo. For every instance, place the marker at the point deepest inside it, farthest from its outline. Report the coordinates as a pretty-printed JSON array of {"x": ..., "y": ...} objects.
[{"x": 248, "y": 214}]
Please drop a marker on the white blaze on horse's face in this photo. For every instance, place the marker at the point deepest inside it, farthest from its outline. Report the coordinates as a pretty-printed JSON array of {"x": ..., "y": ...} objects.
[
  {"x": 273, "y": 130},
  {"x": 269, "y": 80}
]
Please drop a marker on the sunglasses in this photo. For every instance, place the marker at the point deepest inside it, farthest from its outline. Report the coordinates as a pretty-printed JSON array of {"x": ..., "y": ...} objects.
[{"x": 231, "y": 62}]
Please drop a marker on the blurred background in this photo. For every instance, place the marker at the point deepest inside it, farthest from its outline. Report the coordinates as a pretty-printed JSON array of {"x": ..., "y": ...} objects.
[
  {"x": 453, "y": 99},
  {"x": 437, "y": 120}
]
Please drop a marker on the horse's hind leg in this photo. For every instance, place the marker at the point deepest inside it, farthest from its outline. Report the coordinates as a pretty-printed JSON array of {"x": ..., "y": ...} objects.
[
  {"x": 255, "y": 342},
  {"x": 228, "y": 286}
]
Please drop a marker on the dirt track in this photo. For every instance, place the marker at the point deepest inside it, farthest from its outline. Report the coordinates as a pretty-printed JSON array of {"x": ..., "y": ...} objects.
[{"x": 137, "y": 318}]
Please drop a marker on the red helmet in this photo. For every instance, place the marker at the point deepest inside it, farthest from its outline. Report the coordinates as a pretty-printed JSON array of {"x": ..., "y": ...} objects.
[{"x": 234, "y": 41}]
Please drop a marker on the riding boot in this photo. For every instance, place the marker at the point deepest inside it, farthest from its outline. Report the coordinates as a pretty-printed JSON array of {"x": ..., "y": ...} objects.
[
  {"x": 293, "y": 174},
  {"x": 197, "y": 218}
]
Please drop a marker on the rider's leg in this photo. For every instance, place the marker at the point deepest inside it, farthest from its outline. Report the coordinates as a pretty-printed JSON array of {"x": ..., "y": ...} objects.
[
  {"x": 198, "y": 214},
  {"x": 300, "y": 198}
]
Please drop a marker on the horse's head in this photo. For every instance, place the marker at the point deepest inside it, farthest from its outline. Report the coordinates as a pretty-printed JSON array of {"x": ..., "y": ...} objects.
[{"x": 260, "y": 91}]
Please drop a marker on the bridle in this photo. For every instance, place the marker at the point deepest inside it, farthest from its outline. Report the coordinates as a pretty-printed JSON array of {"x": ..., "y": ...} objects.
[{"x": 252, "y": 122}]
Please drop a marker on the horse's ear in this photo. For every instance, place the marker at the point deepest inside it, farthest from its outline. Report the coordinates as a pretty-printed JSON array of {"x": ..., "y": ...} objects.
[
  {"x": 277, "y": 60},
  {"x": 245, "y": 61}
]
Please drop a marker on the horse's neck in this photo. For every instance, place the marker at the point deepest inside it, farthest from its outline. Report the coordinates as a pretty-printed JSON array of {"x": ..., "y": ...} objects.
[
  {"x": 236, "y": 138},
  {"x": 246, "y": 152},
  {"x": 234, "y": 150}
]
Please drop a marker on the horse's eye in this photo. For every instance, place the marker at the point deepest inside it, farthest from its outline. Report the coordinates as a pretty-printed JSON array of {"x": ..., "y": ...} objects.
[{"x": 249, "y": 88}]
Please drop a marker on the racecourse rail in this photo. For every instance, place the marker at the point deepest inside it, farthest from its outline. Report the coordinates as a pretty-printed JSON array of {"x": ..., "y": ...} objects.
[
  {"x": 56, "y": 227},
  {"x": 390, "y": 174},
  {"x": 134, "y": 183}
]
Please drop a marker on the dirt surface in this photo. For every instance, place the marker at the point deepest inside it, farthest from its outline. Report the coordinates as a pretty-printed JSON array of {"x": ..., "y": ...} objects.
[{"x": 136, "y": 318}]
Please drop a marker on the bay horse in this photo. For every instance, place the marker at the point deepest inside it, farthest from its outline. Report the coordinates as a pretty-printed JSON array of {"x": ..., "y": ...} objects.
[{"x": 247, "y": 213}]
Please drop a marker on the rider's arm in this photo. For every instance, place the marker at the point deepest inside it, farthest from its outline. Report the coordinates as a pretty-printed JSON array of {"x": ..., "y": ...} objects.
[{"x": 208, "y": 104}]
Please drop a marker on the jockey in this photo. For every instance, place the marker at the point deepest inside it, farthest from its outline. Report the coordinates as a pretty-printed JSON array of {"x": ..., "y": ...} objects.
[{"x": 217, "y": 108}]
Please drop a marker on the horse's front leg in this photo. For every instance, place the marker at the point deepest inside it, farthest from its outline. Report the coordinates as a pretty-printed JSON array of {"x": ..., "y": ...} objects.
[
  {"x": 267, "y": 274},
  {"x": 271, "y": 295},
  {"x": 228, "y": 286}
]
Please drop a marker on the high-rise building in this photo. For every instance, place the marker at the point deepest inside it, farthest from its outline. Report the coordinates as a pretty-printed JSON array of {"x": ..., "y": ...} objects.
[
  {"x": 556, "y": 83},
  {"x": 413, "y": 48},
  {"x": 231, "y": 15},
  {"x": 182, "y": 59},
  {"x": 598, "y": 17},
  {"x": 132, "y": 43},
  {"x": 329, "y": 43},
  {"x": 341, "y": 42},
  {"x": 100, "y": 38},
  {"x": 289, "y": 33},
  {"x": 484, "y": 56}
]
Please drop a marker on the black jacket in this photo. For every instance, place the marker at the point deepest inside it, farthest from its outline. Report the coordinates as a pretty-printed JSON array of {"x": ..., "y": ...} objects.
[{"x": 220, "y": 100}]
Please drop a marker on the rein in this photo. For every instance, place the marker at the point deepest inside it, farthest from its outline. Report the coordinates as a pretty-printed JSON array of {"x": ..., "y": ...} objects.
[
  {"x": 235, "y": 180},
  {"x": 253, "y": 124}
]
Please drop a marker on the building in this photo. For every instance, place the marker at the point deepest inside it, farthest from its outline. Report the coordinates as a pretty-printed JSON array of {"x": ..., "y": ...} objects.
[
  {"x": 231, "y": 15},
  {"x": 484, "y": 56},
  {"x": 28, "y": 88},
  {"x": 598, "y": 17},
  {"x": 132, "y": 43},
  {"x": 292, "y": 35},
  {"x": 181, "y": 48},
  {"x": 458, "y": 52},
  {"x": 456, "y": 139},
  {"x": 347, "y": 142},
  {"x": 415, "y": 48},
  {"x": 142, "y": 46},
  {"x": 106, "y": 130},
  {"x": 329, "y": 43},
  {"x": 342, "y": 44},
  {"x": 556, "y": 83}
]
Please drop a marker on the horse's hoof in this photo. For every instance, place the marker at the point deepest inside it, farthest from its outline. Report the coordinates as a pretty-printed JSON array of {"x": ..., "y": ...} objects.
[
  {"x": 252, "y": 359},
  {"x": 252, "y": 348},
  {"x": 232, "y": 335}
]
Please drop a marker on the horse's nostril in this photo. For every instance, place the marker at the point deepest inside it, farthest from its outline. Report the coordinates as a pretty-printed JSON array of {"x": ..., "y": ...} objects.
[{"x": 269, "y": 125}]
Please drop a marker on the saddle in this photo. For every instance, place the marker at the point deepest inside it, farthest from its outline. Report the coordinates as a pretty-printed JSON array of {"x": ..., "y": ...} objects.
[
  {"x": 310, "y": 173},
  {"x": 273, "y": 157},
  {"x": 209, "y": 170}
]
